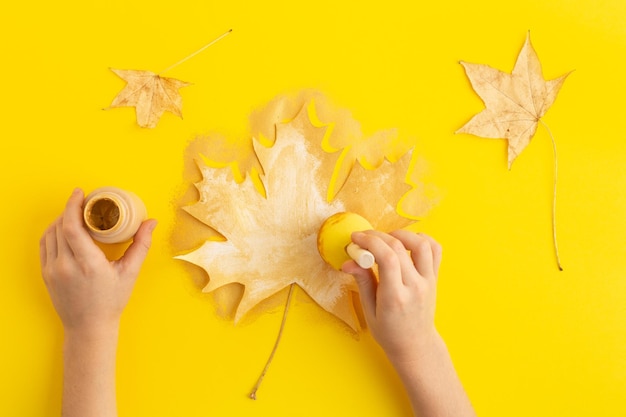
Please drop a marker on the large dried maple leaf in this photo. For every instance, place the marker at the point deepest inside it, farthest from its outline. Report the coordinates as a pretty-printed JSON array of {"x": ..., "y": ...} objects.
[
  {"x": 514, "y": 102},
  {"x": 150, "y": 94},
  {"x": 271, "y": 240}
]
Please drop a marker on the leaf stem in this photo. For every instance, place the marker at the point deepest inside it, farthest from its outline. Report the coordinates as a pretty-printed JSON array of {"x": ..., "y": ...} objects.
[
  {"x": 280, "y": 333},
  {"x": 556, "y": 168},
  {"x": 197, "y": 52}
]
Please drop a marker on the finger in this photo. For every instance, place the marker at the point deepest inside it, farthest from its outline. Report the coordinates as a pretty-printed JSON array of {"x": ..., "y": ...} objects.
[
  {"x": 422, "y": 253},
  {"x": 133, "y": 258},
  {"x": 388, "y": 252},
  {"x": 366, "y": 281},
  {"x": 74, "y": 231},
  {"x": 47, "y": 251},
  {"x": 437, "y": 252},
  {"x": 51, "y": 241},
  {"x": 62, "y": 245},
  {"x": 400, "y": 256}
]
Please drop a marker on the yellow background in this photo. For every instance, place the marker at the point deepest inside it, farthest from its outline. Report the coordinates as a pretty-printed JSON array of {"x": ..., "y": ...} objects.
[{"x": 526, "y": 339}]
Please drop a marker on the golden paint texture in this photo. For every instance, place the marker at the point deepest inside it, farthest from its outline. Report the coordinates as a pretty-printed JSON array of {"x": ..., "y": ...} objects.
[{"x": 270, "y": 234}]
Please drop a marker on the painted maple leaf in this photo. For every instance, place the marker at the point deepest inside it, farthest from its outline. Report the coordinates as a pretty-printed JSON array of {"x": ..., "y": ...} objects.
[
  {"x": 270, "y": 240},
  {"x": 514, "y": 102},
  {"x": 150, "y": 94}
]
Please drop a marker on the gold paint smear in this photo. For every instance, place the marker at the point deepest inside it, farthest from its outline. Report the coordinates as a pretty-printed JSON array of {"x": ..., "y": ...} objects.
[{"x": 266, "y": 240}]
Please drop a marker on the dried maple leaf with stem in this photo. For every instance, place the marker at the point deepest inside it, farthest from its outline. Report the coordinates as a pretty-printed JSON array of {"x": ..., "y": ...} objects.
[
  {"x": 271, "y": 236},
  {"x": 515, "y": 104},
  {"x": 151, "y": 94}
]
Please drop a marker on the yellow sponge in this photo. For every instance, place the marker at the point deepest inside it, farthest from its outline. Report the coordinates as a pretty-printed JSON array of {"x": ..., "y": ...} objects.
[{"x": 334, "y": 239}]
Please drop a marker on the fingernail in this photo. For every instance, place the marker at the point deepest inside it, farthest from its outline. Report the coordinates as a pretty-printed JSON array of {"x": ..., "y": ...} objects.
[{"x": 357, "y": 235}]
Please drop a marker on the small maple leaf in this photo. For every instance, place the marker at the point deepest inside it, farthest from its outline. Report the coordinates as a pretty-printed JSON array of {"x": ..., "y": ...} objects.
[
  {"x": 271, "y": 240},
  {"x": 150, "y": 94},
  {"x": 514, "y": 102}
]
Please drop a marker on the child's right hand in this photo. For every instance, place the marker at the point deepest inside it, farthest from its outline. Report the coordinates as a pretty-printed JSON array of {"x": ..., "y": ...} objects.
[{"x": 399, "y": 306}]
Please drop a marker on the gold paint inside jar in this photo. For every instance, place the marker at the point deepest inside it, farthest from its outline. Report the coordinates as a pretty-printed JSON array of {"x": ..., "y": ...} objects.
[{"x": 104, "y": 214}]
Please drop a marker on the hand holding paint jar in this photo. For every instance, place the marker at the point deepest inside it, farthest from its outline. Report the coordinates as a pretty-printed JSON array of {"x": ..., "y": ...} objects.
[{"x": 113, "y": 215}]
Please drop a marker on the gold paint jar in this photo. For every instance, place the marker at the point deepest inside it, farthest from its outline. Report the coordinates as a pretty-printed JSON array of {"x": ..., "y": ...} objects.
[{"x": 113, "y": 215}]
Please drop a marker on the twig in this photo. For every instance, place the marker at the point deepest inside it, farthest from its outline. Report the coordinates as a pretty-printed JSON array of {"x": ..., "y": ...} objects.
[
  {"x": 280, "y": 333},
  {"x": 196, "y": 53},
  {"x": 556, "y": 167}
]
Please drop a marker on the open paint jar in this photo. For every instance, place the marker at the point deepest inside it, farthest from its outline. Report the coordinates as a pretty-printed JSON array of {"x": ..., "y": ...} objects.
[{"x": 113, "y": 215}]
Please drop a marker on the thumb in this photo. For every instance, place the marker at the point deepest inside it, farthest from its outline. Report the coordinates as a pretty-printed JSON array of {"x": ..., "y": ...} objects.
[
  {"x": 133, "y": 258},
  {"x": 367, "y": 283}
]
